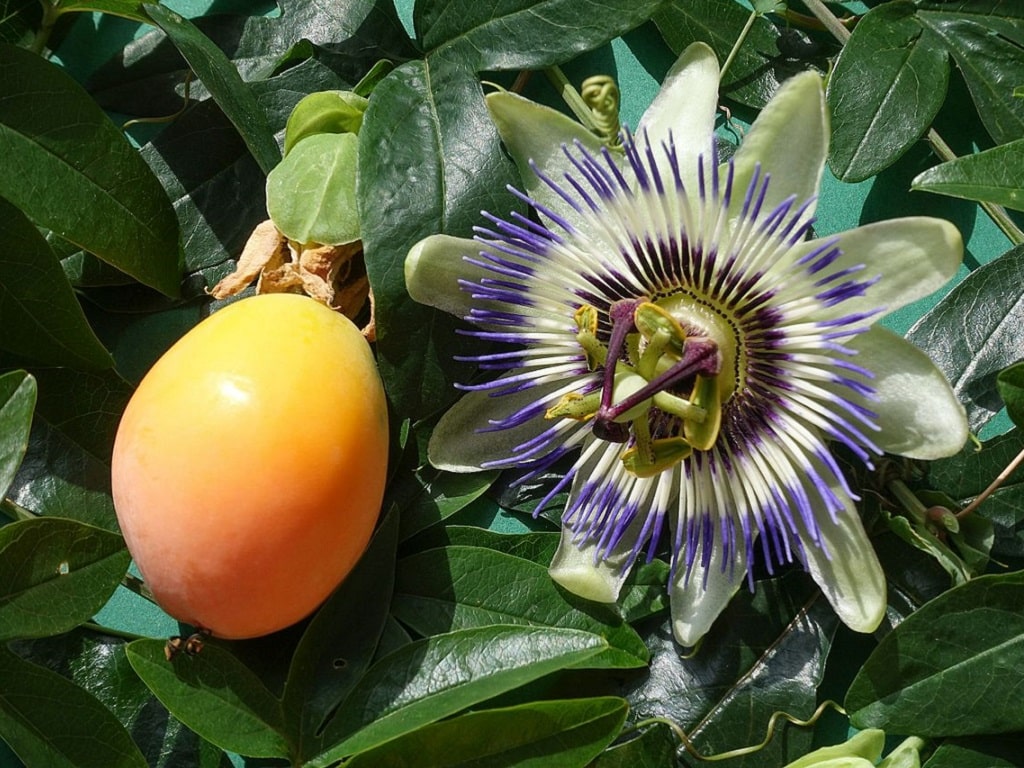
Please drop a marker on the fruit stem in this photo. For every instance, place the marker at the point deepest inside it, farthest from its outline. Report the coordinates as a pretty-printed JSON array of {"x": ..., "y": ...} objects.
[{"x": 138, "y": 586}]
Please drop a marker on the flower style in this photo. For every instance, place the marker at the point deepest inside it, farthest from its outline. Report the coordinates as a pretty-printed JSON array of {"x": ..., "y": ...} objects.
[{"x": 668, "y": 320}]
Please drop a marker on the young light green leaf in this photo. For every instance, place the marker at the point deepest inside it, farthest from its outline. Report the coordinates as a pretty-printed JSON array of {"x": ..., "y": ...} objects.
[
  {"x": 334, "y": 651},
  {"x": 39, "y": 313},
  {"x": 993, "y": 176},
  {"x": 51, "y": 722},
  {"x": 543, "y": 734},
  {"x": 430, "y": 679},
  {"x": 17, "y": 402},
  {"x": 963, "y": 640},
  {"x": 522, "y": 34},
  {"x": 55, "y": 574},
  {"x": 216, "y": 696},
  {"x": 66, "y": 166},
  {"x": 888, "y": 84},
  {"x": 1010, "y": 383},
  {"x": 223, "y": 81},
  {"x": 972, "y": 354},
  {"x": 324, "y": 112},
  {"x": 461, "y": 587},
  {"x": 311, "y": 194}
]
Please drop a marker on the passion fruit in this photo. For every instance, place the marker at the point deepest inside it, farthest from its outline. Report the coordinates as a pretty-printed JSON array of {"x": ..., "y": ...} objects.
[{"x": 249, "y": 466}]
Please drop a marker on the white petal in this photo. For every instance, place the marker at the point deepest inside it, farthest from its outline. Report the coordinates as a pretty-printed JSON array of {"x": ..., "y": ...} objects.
[
  {"x": 433, "y": 269},
  {"x": 684, "y": 108},
  {"x": 845, "y": 566},
  {"x": 912, "y": 256},
  {"x": 531, "y": 131},
  {"x": 789, "y": 139},
  {"x": 696, "y": 602},
  {"x": 918, "y": 412},
  {"x": 575, "y": 568}
]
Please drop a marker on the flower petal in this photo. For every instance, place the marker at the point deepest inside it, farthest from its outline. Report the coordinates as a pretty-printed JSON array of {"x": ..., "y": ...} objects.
[
  {"x": 845, "y": 567},
  {"x": 434, "y": 267},
  {"x": 577, "y": 568},
  {"x": 919, "y": 414},
  {"x": 697, "y": 600},
  {"x": 684, "y": 110},
  {"x": 789, "y": 141},
  {"x": 532, "y": 131},
  {"x": 913, "y": 256}
]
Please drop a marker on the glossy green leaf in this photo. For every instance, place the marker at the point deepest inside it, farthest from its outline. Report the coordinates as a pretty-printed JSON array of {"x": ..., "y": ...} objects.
[
  {"x": 324, "y": 112},
  {"x": 971, "y": 354},
  {"x": 98, "y": 664},
  {"x": 334, "y": 651},
  {"x": 1010, "y": 383},
  {"x": 887, "y": 86},
  {"x": 17, "y": 402},
  {"x": 66, "y": 166},
  {"x": 429, "y": 161},
  {"x": 543, "y": 734},
  {"x": 655, "y": 747},
  {"x": 128, "y": 9},
  {"x": 223, "y": 81},
  {"x": 461, "y": 587},
  {"x": 757, "y": 70},
  {"x": 39, "y": 313},
  {"x": 993, "y": 176},
  {"x": 765, "y": 653},
  {"x": 216, "y": 696},
  {"x": 979, "y": 752},
  {"x": 311, "y": 194},
  {"x": 433, "y": 678},
  {"x": 965, "y": 475},
  {"x": 55, "y": 574},
  {"x": 522, "y": 34},
  {"x": 968, "y": 639},
  {"x": 427, "y": 496},
  {"x": 51, "y": 722}
]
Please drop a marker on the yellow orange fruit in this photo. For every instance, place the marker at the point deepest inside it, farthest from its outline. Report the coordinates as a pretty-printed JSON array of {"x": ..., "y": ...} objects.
[{"x": 249, "y": 465}]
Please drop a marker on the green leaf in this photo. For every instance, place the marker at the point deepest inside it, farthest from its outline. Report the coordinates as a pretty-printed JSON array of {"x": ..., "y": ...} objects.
[
  {"x": 223, "y": 81},
  {"x": 1010, "y": 382},
  {"x": 888, "y": 84},
  {"x": 334, "y": 651},
  {"x": 969, "y": 639},
  {"x": 216, "y": 696},
  {"x": 655, "y": 747},
  {"x": 40, "y": 315},
  {"x": 971, "y": 354},
  {"x": 765, "y": 653},
  {"x": 429, "y": 679},
  {"x": 965, "y": 475},
  {"x": 70, "y": 170},
  {"x": 17, "y": 402},
  {"x": 51, "y": 722},
  {"x": 523, "y": 34},
  {"x": 544, "y": 734},
  {"x": 55, "y": 574},
  {"x": 311, "y": 195},
  {"x": 429, "y": 162},
  {"x": 324, "y": 112},
  {"x": 993, "y": 176},
  {"x": 757, "y": 70},
  {"x": 463, "y": 587},
  {"x": 128, "y": 9},
  {"x": 979, "y": 752}
]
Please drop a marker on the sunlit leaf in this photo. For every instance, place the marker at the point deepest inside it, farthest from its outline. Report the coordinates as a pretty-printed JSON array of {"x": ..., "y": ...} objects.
[
  {"x": 51, "y": 722},
  {"x": 70, "y": 170},
  {"x": 17, "y": 402},
  {"x": 968, "y": 639},
  {"x": 993, "y": 176},
  {"x": 129, "y": 9},
  {"x": 39, "y": 313},
  {"x": 55, "y": 574},
  {"x": 216, "y": 696}
]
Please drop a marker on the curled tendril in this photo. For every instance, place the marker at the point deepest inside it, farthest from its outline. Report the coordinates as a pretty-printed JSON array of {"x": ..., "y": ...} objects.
[
  {"x": 186, "y": 100},
  {"x": 690, "y": 748},
  {"x": 601, "y": 94}
]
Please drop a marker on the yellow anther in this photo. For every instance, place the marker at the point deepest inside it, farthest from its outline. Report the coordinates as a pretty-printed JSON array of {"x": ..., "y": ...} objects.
[
  {"x": 706, "y": 394},
  {"x": 664, "y": 454},
  {"x": 575, "y": 406}
]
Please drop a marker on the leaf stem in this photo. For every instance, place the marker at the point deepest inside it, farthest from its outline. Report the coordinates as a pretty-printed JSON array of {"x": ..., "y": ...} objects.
[
  {"x": 572, "y": 98},
  {"x": 15, "y": 511},
  {"x": 138, "y": 586},
  {"x": 51, "y": 12},
  {"x": 739, "y": 42},
  {"x": 993, "y": 486},
  {"x": 997, "y": 213}
]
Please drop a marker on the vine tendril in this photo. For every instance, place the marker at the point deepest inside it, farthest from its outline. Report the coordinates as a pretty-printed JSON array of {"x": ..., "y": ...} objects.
[{"x": 601, "y": 94}]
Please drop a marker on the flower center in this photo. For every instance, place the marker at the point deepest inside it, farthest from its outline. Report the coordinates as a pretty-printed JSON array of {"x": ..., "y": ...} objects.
[{"x": 668, "y": 367}]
